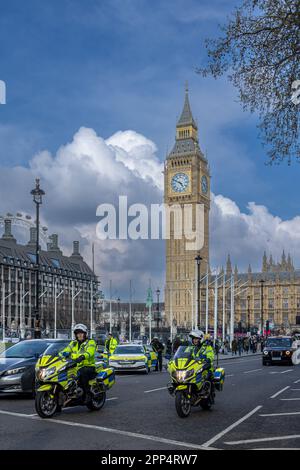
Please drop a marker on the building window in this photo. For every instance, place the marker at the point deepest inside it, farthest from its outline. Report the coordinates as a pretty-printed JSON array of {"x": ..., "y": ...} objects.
[{"x": 285, "y": 303}]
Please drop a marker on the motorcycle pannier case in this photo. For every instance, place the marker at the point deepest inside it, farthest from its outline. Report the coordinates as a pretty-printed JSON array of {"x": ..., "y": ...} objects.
[
  {"x": 219, "y": 376},
  {"x": 107, "y": 375}
]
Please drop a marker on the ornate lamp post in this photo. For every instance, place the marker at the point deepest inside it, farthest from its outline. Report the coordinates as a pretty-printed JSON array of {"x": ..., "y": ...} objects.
[
  {"x": 157, "y": 307},
  {"x": 262, "y": 305},
  {"x": 198, "y": 319},
  {"x": 248, "y": 299},
  {"x": 37, "y": 194}
]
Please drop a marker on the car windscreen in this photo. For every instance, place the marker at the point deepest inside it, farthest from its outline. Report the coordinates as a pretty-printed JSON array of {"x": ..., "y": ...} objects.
[
  {"x": 129, "y": 350},
  {"x": 26, "y": 349},
  {"x": 54, "y": 348},
  {"x": 279, "y": 343}
]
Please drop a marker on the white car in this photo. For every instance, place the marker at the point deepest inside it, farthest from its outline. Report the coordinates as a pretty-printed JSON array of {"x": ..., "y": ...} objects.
[{"x": 133, "y": 357}]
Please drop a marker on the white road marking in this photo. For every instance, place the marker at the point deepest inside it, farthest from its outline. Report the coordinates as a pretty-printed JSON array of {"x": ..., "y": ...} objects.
[
  {"x": 265, "y": 439},
  {"x": 276, "y": 448},
  {"x": 295, "y": 389},
  {"x": 155, "y": 389},
  {"x": 283, "y": 372},
  {"x": 229, "y": 375},
  {"x": 232, "y": 426},
  {"x": 282, "y": 414},
  {"x": 280, "y": 391},
  {"x": 297, "y": 381},
  {"x": 112, "y": 398},
  {"x": 290, "y": 399},
  {"x": 249, "y": 371},
  {"x": 111, "y": 430},
  {"x": 227, "y": 363}
]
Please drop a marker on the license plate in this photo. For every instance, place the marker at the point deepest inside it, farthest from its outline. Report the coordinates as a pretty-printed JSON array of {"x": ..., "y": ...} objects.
[{"x": 276, "y": 358}]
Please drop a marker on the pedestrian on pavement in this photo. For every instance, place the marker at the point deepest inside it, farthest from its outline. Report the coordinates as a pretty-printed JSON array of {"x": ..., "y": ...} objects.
[
  {"x": 246, "y": 345},
  {"x": 234, "y": 347},
  {"x": 240, "y": 346},
  {"x": 158, "y": 347}
]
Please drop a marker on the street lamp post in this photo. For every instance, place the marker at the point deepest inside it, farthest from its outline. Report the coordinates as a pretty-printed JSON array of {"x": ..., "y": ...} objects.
[
  {"x": 37, "y": 194},
  {"x": 157, "y": 307},
  {"x": 118, "y": 313},
  {"x": 248, "y": 299},
  {"x": 198, "y": 262},
  {"x": 262, "y": 305}
]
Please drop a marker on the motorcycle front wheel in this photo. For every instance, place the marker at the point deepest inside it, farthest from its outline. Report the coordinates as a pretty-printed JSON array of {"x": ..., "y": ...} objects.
[
  {"x": 182, "y": 405},
  {"x": 46, "y": 404}
]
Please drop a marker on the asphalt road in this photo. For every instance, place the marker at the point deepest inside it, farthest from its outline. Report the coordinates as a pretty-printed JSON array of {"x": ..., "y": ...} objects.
[{"x": 259, "y": 408}]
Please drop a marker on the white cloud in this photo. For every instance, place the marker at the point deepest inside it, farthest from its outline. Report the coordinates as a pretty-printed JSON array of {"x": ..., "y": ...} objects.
[
  {"x": 247, "y": 235},
  {"x": 90, "y": 170}
]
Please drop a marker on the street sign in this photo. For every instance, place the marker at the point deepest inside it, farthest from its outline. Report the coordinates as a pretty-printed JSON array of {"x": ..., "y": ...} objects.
[{"x": 296, "y": 357}]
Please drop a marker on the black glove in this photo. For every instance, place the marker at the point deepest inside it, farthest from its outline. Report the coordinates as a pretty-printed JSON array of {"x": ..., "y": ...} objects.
[{"x": 79, "y": 359}]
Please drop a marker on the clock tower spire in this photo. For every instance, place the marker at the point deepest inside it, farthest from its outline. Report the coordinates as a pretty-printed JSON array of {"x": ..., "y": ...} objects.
[{"x": 187, "y": 181}]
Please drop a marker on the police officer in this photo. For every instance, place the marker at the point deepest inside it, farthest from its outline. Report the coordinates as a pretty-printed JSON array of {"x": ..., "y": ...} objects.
[
  {"x": 202, "y": 347},
  {"x": 111, "y": 343},
  {"x": 82, "y": 351}
]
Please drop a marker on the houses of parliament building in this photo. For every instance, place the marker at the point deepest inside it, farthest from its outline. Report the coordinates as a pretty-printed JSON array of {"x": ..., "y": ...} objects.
[{"x": 271, "y": 295}]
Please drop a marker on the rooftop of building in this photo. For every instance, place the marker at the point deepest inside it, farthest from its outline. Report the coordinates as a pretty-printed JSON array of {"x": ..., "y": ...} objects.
[{"x": 51, "y": 260}]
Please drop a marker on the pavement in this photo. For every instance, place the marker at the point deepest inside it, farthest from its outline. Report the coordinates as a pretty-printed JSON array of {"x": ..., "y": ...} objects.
[{"x": 259, "y": 408}]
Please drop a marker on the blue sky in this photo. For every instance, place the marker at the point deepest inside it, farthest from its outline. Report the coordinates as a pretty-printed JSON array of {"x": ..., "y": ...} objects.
[
  {"x": 117, "y": 65},
  {"x": 122, "y": 64}
]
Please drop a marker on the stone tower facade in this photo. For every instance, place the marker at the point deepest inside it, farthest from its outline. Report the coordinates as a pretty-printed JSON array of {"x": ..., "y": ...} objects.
[{"x": 187, "y": 184}]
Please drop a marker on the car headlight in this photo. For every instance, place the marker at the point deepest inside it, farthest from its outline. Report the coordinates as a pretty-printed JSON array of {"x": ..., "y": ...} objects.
[
  {"x": 287, "y": 353},
  {"x": 19, "y": 370},
  {"x": 266, "y": 352}
]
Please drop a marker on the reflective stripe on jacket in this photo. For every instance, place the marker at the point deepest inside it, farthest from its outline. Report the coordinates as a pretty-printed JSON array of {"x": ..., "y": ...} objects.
[{"x": 86, "y": 349}]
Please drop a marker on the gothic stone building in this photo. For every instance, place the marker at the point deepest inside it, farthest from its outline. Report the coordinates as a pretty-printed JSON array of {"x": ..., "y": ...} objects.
[
  {"x": 272, "y": 294},
  {"x": 59, "y": 275}
]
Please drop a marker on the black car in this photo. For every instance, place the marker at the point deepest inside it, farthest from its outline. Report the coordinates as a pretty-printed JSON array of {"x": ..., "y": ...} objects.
[
  {"x": 17, "y": 364},
  {"x": 278, "y": 350}
]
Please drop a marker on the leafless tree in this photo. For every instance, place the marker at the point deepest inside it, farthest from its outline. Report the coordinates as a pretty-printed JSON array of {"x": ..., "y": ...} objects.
[{"x": 259, "y": 49}]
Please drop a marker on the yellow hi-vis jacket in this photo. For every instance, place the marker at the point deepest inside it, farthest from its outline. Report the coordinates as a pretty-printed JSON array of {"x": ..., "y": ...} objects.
[
  {"x": 111, "y": 344},
  {"x": 76, "y": 349}
]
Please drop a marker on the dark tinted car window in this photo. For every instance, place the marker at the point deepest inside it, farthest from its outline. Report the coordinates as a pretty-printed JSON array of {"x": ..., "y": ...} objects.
[
  {"x": 26, "y": 349},
  {"x": 279, "y": 343}
]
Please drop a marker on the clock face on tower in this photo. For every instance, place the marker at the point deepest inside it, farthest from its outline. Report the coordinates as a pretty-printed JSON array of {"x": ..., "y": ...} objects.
[
  {"x": 180, "y": 182},
  {"x": 204, "y": 184}
]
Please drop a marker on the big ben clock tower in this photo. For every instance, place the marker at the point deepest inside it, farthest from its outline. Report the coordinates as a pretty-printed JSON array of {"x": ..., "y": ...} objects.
[{"x": 186, "y": 181}]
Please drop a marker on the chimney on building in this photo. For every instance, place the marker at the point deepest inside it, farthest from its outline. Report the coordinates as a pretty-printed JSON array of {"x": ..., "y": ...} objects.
[
  {"x": 7, "y": 236},
  {"x": 76, "y": 253},
  {"x": 32, "y": 239},
  {"x": 53, "y": 244}
]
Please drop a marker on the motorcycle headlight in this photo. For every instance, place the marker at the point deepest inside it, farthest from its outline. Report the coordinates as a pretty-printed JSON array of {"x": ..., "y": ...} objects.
[
  {"x": 16, "y": 371},
  {"x": 43, "y": 374},
  {"x": 182, "y": 375}
]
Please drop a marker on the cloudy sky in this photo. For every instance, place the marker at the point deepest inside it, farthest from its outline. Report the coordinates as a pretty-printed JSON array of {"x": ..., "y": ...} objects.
[{"x": 94, "y": 89}]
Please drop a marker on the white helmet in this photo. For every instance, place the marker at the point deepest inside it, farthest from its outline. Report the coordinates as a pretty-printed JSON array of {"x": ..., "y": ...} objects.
[
  {"x": 196, "y": 334},
  {"x": 80, "y": 327}
]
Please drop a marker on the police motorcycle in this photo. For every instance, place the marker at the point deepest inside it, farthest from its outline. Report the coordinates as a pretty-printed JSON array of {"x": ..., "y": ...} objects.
[
  {"x": 57, "y": 384},
  {"x": 193, "y": 383}
]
